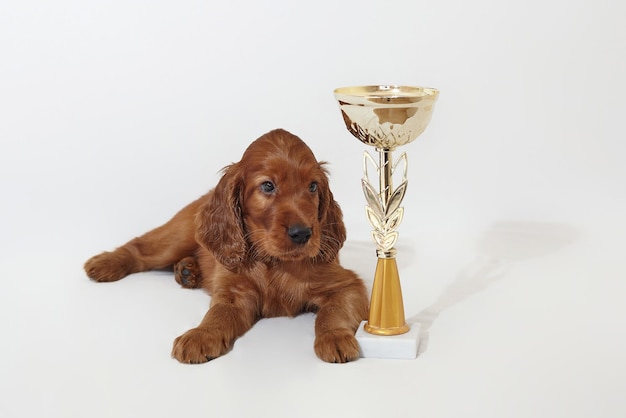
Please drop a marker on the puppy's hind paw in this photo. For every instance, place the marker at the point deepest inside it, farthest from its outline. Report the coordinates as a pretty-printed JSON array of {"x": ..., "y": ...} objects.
[{"x": 187, "y": 273}]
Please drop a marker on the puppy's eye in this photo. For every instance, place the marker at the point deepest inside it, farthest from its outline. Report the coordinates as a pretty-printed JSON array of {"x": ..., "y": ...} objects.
[
  {"x": 268, "y": 187},
  {"x": 313, "y": 187}
]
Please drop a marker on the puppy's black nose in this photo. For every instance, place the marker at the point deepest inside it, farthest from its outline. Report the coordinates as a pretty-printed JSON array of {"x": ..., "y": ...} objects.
[{"x": 299, "y": 234}]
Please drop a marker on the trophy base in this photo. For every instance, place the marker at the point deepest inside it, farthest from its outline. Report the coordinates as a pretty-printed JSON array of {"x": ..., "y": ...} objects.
[
  {"x": 386, "y": 331},
  {"x": 403, "y": 346}
]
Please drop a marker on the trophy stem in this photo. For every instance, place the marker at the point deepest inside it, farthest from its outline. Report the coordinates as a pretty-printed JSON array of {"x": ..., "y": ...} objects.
[
  {"x": 385, "y": 176},
  {"x": 386, "y": 315}
]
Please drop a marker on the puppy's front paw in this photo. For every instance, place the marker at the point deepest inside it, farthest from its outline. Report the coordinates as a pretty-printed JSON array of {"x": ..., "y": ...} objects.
[
  {"x": 109, "y": 266},
  {"x": 338, "y": 346},
  {"x": 199, "y": 345}
]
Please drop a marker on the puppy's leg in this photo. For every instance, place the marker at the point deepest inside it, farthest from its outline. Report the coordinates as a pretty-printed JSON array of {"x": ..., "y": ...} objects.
[
  {"x": 336, "y": 323},
  {"x": 159, "y": 248},
  {"x": 232, "y": 313},
  {"x": 187, "y": 273}
]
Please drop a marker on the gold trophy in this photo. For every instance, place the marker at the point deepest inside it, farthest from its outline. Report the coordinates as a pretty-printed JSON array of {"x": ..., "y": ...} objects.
[{"x": 385, "y": 117}]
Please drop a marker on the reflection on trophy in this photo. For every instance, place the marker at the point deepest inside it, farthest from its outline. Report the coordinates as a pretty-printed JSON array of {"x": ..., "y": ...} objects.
[{"x": 385, "y": 117}]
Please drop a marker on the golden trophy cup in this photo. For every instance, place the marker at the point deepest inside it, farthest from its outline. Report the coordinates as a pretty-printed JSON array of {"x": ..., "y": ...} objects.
[{"x": 385, "y": 117}]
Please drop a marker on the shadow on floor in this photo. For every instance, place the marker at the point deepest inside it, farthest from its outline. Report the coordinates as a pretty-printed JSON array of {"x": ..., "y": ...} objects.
[{"x": 502, "y": 246}]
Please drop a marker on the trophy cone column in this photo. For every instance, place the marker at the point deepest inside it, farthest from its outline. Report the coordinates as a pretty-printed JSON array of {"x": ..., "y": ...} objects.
[{"x": 386, "y": 306}]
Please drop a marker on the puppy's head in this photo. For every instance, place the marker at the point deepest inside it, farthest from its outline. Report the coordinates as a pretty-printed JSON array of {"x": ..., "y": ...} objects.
[{"x": 274, "y": 204}]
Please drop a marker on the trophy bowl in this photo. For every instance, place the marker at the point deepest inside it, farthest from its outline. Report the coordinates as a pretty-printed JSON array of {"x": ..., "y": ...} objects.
[{"x": 386, "y": 116}]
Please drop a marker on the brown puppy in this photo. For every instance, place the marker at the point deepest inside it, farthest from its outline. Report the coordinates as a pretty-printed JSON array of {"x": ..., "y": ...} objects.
[{"x": 264, "y": 242}]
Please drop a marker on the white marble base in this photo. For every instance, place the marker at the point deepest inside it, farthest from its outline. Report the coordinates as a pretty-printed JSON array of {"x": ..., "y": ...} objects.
[{"x": 403, "y": 346}]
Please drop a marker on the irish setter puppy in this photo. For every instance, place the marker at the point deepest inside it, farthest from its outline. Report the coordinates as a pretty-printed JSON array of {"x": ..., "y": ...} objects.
[{"x": 264, "y": 243}]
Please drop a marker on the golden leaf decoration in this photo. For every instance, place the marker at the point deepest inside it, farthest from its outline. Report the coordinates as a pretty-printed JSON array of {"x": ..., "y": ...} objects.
[
  {"x": 374, "y": 219},
  {"x": 385, "y": 241},
  {"x": 396, "y": 198},
  {"x": 372, "y": 198},
  {"x": 394, "y": 219}
]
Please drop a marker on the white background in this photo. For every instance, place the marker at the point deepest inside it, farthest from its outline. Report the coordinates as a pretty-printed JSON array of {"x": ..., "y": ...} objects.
[{"x": 113, "y": 115}]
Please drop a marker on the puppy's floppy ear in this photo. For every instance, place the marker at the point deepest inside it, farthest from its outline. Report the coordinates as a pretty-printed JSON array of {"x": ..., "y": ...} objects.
[
  {"x": 219, "y": 223},
  {"x": 333, "y": 230}
]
